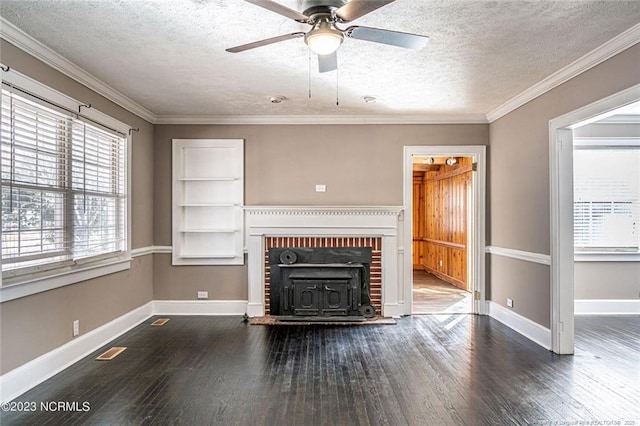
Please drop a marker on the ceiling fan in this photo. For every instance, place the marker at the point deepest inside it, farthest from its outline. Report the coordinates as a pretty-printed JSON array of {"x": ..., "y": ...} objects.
[{"x": 325, "y": 37}]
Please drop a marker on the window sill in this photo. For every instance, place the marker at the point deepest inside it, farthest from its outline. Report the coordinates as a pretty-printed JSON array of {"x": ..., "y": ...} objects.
[
  {"x": 32, "y": 284},
  {"x": 606, "y": 257}
]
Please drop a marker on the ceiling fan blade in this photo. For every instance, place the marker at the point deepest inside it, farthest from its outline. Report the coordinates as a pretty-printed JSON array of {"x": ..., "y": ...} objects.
[
  {"x": 280, "y": 9},
  {"x": 264, "y": 42},
  {"x": 328, "y": 62},
  {"x": 394, "y": 38},
  {"x": 357, "y": 8}
]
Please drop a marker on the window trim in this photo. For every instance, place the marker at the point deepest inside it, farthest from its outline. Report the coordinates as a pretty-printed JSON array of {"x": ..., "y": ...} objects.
[
  {"x": 36, "y": 282},
  {"x": 605, "y": 143},
  {"x": 606, "y": 257}
]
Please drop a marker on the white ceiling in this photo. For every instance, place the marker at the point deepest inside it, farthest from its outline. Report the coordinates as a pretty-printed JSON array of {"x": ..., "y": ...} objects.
[{"x": 169, "y": 55}]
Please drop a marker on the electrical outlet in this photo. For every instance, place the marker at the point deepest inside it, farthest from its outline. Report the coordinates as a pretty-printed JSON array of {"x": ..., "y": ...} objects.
[
  {"x": 203, "y": 295},
  {"x": 321, "y": 188},
  {"x": 76, "y": 328},
  {"x": 441, "y": 263},
  {"x": 510, "y": 303}
]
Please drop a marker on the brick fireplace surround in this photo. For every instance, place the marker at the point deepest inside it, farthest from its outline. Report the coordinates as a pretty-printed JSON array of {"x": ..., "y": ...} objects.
[
  {"x": 375, "y": 277},
  {"x": 375, "y": 227}
]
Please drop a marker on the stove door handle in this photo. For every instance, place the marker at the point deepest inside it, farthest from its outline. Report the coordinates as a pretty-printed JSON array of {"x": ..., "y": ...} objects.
[{"x": 286, "y": 298}]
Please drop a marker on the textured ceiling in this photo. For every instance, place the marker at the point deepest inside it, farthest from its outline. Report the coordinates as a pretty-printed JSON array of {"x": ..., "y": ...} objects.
[{"x": 168, "y": 55}]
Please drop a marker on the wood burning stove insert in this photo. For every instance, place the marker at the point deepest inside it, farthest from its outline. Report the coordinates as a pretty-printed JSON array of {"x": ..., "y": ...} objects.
[{"x": 321, "y": 282}]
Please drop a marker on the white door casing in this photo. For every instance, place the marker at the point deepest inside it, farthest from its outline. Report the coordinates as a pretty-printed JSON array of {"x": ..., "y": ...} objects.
[
  {"x": 476, "y": 233},
  {"x": 561, "y": 214}
]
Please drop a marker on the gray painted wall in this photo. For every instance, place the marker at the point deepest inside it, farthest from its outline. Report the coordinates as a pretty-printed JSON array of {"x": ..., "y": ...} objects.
[
  {"x": 360, "y": 164},
  {"x": 607, "y": 280},
  {"x": 519, "y": 212},
  {"x": 598, "y": 130}
]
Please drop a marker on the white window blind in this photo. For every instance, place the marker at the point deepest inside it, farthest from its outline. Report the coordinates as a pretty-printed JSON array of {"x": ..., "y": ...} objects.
[
  {"x": 63, "y": 187},
  {"x": 607, "y": 199}
]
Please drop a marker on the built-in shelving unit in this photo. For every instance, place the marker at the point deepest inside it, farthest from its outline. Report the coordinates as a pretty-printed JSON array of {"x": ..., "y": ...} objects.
[{"x": 208, "y": 194}]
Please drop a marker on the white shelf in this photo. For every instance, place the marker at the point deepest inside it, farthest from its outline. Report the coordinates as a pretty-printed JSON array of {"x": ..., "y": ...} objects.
[
  {"x": 209, "y": 255},
  {"x": 207, "y": 224},
  {"x": 208, "y": 179},
  {"x": 208, "y": 205},
  {"x": 218, "y": 231}
]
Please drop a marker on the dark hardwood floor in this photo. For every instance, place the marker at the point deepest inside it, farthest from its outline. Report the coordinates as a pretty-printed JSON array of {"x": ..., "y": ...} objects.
[
  {"x": 431, "y": 295},
  {"x": 426, "y": 370}
]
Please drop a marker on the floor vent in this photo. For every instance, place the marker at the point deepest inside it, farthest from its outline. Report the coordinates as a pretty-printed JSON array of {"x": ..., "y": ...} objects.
[
  {"x": 160, "y": 321},
  {"x": 111, "y": 353}
]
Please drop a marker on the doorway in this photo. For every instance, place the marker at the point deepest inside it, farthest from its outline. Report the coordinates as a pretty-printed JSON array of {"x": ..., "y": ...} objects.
[
  {"x": 562, "y": 211},
  {"x": 440, "y": 243},
  {"x": 434, "y": 266}
]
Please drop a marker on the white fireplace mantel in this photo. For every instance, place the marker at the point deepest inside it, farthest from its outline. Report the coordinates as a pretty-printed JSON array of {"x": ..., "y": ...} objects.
[{"x": 286, "y": 221}]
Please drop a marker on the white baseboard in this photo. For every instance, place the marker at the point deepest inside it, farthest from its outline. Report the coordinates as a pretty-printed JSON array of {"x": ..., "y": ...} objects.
[
  {"x": 200, "y": 307},
  {"x": 21, "y": 379},
  {"x": 607, "y": 307},
  {"x": 529, "y": 329}
]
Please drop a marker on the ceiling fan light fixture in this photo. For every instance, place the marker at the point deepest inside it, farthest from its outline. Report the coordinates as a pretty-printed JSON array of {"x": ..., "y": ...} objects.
[{"x": 324, "y": 39}]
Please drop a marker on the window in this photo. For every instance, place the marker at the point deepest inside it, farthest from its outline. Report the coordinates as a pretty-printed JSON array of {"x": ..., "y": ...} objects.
[
  {"x": 63, "y": 188},
  {"x": 606, "y": 196}
]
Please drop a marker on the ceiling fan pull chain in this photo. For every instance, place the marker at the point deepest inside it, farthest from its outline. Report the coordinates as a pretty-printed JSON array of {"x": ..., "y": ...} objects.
[
  {"x": 309, "y": 50},
  {"x": 337, "y": 87}
]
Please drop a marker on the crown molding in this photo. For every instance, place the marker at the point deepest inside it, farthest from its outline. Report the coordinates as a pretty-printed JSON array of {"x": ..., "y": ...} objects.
[
  {"x": 598, "y": 55},
  {"x": 323, "y": 119},
  {"x": 33, "y": 47}
]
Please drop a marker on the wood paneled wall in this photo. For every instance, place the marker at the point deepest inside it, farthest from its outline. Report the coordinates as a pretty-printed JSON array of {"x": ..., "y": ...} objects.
[{"x": 440, "y": 221}]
